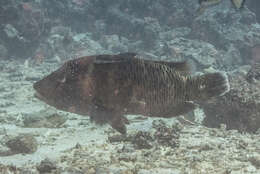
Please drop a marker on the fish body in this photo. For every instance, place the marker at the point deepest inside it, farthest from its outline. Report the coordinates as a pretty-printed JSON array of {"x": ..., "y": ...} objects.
[{"x": 106, "y": 87}]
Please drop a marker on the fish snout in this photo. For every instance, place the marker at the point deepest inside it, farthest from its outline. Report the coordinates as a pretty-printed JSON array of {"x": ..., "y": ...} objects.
[{"x": 38, "y": 95}]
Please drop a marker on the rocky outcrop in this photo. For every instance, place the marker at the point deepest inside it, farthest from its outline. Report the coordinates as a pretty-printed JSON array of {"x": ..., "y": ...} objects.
[
  {"x": 239, "y": 109},
  {"x": 23, "y": 26}
]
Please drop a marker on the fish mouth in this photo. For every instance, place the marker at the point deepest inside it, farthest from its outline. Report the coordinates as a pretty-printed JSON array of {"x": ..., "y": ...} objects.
[
  {"x": 39, "y": 96},
  {"x": 43, "y": 99}
]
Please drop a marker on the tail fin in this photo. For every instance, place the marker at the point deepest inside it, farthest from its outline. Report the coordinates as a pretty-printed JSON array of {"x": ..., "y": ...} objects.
[{"x": 211, "y": 85}]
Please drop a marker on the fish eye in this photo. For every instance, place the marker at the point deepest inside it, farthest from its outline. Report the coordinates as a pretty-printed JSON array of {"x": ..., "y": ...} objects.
[{"x": 63, "y": 80}]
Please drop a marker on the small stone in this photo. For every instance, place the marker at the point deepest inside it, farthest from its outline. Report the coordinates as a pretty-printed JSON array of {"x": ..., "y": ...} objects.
[
  {"x": 127, "y": 157},
  {"x": 159, "y": 170},
  {"x": 75, "y": 171},
  {"x": 127, "y": 148},
  {"x": 255, "y": 160},
  {"x": 24, "y": 143},
  {"x": 78, "y": 146},
  {"x": 206, "y": 147},
  {"x": 44, "y": 118},
  {"x": 100, "y": 170},
  {"x": 3, "y": 52},
  {"x": 167, "y": 136},
  {"x": 142, "y": 140},
  {"x": 10, "y": 31},
  {"x": 117, "y": 138},
  {"x": 46, "y": 166},
  {"x": 223, "y": 127}
]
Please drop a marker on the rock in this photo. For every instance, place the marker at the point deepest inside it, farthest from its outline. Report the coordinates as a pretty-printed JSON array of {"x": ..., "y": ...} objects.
[
  {"x": 142, "y": 140},
  {"x": 76, "y": 171},
  {"x": 24, "y": 27},
  {"x": 254, "y": 6},
  {"x": 151, "y": 32},
  {"x": 10, "y": 31},
  {"x": 117, "y": 138},
  {"x": 3, "y": 52},
  {"x": 158, "y": 170},
  {"x": 61, "y": 30},
  {"x": 230, "y": 59},
  {"x": 44, "y": 118},
  {"x": 253, "y": 74},
  {"x": 239, "y": 109},
  {"x": 166, "y": 135},
  {"x": 135, "y": 46},
  {"x": 46, "y": 166},
  {"x": 8, "y": 169},
  {"x": 162, "y": 135},
  {"x": 101, "y": 27},
  {"x": 174, "y": 33},
  {"x": 84, "y": 45},
  {"x": 24, "y": 143},
  {"x": 112, "y": 170},
  {"x": 233, "y": 33},
  {"x": 127, "y": 157},
  {"x": 202, "y": 53},
  {"x": 5, "y": 151},
  {"x": 255, "y": 160},
  {"x": 113, "y": 43}
]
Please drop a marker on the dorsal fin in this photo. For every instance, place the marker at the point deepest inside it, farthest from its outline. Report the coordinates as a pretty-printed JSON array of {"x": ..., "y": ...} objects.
[
  {"x": 183, "y": 67},
  {"x": 106, "y": 58}
]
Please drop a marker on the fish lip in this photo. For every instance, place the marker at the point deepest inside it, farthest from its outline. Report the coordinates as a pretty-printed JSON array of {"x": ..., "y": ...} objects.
[
  {"x": 39, "y": 96},
  {"x": 42, "y": 98}
]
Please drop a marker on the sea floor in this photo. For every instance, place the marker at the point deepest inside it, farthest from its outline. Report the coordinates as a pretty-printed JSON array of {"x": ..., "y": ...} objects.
[{"x": 70, "y": 143}]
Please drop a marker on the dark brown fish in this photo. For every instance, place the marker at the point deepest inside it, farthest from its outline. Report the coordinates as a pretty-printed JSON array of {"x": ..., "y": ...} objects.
[{"x": 106, "y": 87}]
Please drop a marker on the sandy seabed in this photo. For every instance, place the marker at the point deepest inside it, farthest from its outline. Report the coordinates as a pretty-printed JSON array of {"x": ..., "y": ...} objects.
[{"x": 72, "y": 144}]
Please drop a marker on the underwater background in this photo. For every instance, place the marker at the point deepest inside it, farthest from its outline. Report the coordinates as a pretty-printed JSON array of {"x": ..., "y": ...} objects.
[{"x": 221, "y": 136}]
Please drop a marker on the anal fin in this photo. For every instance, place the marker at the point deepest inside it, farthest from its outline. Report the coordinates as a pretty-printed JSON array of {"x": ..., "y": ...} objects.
[{"x": 116, "y": 120}]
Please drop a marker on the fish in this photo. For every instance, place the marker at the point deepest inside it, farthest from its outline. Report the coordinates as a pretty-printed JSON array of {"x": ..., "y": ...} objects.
[
  {"x": 238, "y": 4},
  {"x": 203, "y": 4},
  {"x": 108, "y": 87}
]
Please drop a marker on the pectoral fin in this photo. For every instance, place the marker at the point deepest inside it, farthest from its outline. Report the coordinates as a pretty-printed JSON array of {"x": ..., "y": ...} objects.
[{"x": 116, "y": 120}]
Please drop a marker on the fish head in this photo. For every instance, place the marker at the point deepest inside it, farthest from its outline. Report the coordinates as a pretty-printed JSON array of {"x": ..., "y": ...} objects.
[{"x": 67, "y": 88}]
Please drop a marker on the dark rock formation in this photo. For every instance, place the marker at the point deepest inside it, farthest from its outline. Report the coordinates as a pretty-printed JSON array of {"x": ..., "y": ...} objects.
[
  {"x": 46, "y": 166},
  {"x": 44, "y": 118},
  {"x": 253, "y": 74},
  {"x": 239, "y": 109},
  {"x": 23, "y": 26},
  {"x": 230, "y": 31},
  {"x": 22, "y": 144},
  {"x": 254, "y": 6},
  {"x": 32, "y": 28},
  {"x": 162, "y": 135}
]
